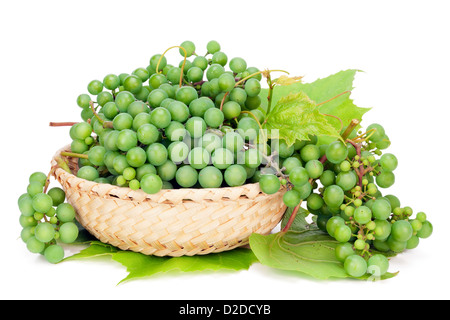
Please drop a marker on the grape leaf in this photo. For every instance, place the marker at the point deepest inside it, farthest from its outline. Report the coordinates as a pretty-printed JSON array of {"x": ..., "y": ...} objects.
[
  {"x": 294, "y": 117},
  {"x": 139, "y": 265},
  {"x": 320, "y": 91}
]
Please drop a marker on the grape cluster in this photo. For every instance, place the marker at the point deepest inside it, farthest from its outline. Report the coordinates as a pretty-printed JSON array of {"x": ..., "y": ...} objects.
[
  {"x": 172, "y": 126},
  {"x": 46, "y": 218},
  {"x": 340, "y": 183}
]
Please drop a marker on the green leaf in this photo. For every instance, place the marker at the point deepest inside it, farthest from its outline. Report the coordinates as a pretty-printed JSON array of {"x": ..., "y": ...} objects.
[
  {"x": 295, "y": 117},
  {"x": 322, "y": 90},
  {"x": 304, "y": 249},
  {"x": 139, "y": 265}
]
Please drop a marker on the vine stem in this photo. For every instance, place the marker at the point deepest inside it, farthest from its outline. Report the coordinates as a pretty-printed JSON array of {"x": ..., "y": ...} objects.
[
  {"x": 182, "y": 67},
  {"x": 62, "y": 124},
  {"x": 105, "y": 124},
  {"x": 74, "y": 155},
  {"x": 359, "y": 172},
  {"x": 349, "y": 129}
]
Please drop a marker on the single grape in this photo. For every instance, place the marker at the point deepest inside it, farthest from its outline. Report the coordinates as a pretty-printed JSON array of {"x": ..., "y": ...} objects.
[
  {"x": 388, "y": 162},
  {"x": 333, "y": 196},
  {"x": 355, "y": 266},
  {"x": 88, "y": 173},
  {"x": 196, "y": 127},
  {"x": 220, "y": 58},
  {"x": 362, "y": 214},
  {"x": 299, "y": 176},
  {"x": 132, "y": 83},
  {"x": 155, "y": 98},
  {"x": 186, "y": 94},
  {"x": 213, "y": 46},
  {"x": 252, "y": 158},
  {"x": 314, "y": 201},
  {"x": 381, "y": 209},
  {"x": 233, "y": 141},
  {"x": 426, "y": 230},
  {"x": 310, "y": 152},
  {"x": 377, "y": 132},
  {"x": 54, "y": 253},
  {"x": 385, "y": 179},
  {"x": 231, "y": 109},
  {"x": 83, "y": 101},
  {"x": 346, "y": 180},
  {"x": 226, "y": 82},
  {"x": 160, "y": 117},
  {"x": 42, "y": 203},
  {"x": 147, "y": 134},
  {"x": 314, "y": 169},
  {"x": 126, "y": 140},
  {"x": 377, "y": 265},
  {"x": 252, "y": 87},
  {"x": 178, "y": 111},
  {"x": 189, "y": 46},
  {"x": 238, "y": 65},
  {"x": 68, "y": 232},
  {"x": 214, "y": 117},
  {"x": 382, "y": 229},
  {"x": 393, "y": 200},
  {"x": 342, "y": 233},
  {"x": 123, "y": 100},
  {"x": 343, "y": 250},
  {"x": 34, "y": 245},
  {"x": 235, "y": 175},
  {"x": 157, "y": 154},
  {"x": 333, "y": 223},
  {"x": 44, "y": 232},
  {"x": 178, "y": 151},
  {"x": 210, "y": 177},
  {"x": 96, "y": 155},
  {"x": 395, "y": 245},
  {"x": 123, "y": 121},
  {"x": 222, "y": 158},
  {"x": 186, "y": 176},
  {"x": 95, "y": 87},
  {"x": 111, "y": 81},
  {"x": 199, "y": 158}
]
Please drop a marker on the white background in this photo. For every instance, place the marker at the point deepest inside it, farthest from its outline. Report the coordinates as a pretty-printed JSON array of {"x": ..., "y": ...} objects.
[{"x": 50, "y": 50}]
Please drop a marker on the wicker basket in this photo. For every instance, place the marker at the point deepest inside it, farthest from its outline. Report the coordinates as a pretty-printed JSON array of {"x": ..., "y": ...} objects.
[{"x": 173, "y": 222}]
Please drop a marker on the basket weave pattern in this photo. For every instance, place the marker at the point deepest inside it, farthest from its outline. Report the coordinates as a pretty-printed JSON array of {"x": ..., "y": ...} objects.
[{"x": 172, "y": 222}]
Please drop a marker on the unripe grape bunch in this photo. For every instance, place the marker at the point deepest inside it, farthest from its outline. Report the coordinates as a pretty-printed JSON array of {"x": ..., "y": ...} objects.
[{"x": 198, "y": 123}]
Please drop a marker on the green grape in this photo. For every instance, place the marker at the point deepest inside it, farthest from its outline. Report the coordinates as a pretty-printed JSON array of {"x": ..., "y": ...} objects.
[
  {"x": 167, "y": 170},
  {"x": 95, "y": 87},
  {"x": 156, "y": 97},
  {"x": 210, "y": 177},
  {"x": 178, "y": 111},
  {"x": 178, "y": 151},
  {"x": 200, "y": 62},
  {"x": 310, "y": 152},
  {"x": 346, "y": 180},
  {"x": 238, "y": 95},
  {"x": 327, "y": 178},
  {"x": 220, "y": 58},
  {"x": 42, "y": 202},
  {"x": 44, "y": 232},
  {"x": 34, "y": 245},
  {"x": 299, "y": 176},
  {"x": 126, "y": 140},
  {"x": 157, "y": 154},
  {"x": 169, "y": 89},
  {"x": 384, "y": 143},
  {"x": 123, "y": 121},
  {"x": 88, "y": 173},
  {"x": 198, "y": 107},
  {"x": 235, "y": 175},
  {"x": 210, "y": 142},
  {"x": 158, "y": 58},
  {"x": 355, "y": 266},
  {"x": 343, "y": 250},
  {"x": 222, "y": 158},
  {"x": 291, "y": 198},
  {"x": 196, "y": 127},
  {"x": 233, "y": 141},
  {"x": 416, "y": 225},
  {"x": 176, "y": 131},
  {"x": 198, "y": 158},
  {"x": 304, "y": 190},
  {"x": 342, "y": 233},
  {"x": 120, "y": 163},
  {"x": 413, "y": 242},
  {"x": 238, "y": 65},
  {"x": 132, "y": 83},
  {"x": 388, "y": 162},
  {"x": 252, "y": 158},
  {"x": 231, "y": 109},
  {"x": 142, "y": 74},
  {"x": 34, "y": 188},
  {"x": 421, "y": 216},
  {"x": 195, "y": 74},
  {"x": 123, "y": 100},
  {"x": 110, "y": 110},
  {"x": 426, "y": 230},
  {"x": 143, "y": 170},
  {"x": 248, "y": 128},
  {"x": 160, "y": 117},
  {"x": 213, "y": 46},
  {"x": 186, "y": 176},
  {"x": 269, "y": 183},
  {"x": 377, "y": 132},
  {"x": 381, "y": 209},
  {"x": 80, "y": 131},
  {"x": 214, "y": 117},
  {"x": 26, "y": 204},
  {"x": 377, "y": 265},
  {"x": 186, "y": 94},
  {"x": 147, "y": 134},
  {"x": 156, "y": 80},
  {"x": 136, "y": 157},
  {"x": 336, "y": 152},
  {"x": 393, "y": 200},
  {"x": 129, "y": 173},
  {"x": 226, "y": 82},
  {"x": 27, "y": 233},
  {"x": 385, "y": 179},
  {"x": 314, "y": 201},
  {"x": 104, "y": 97},
  {"x": 382, "y": 229},
  {"x": 83, "y": 101},
  {"x": 314, "y": 169},
  {"x": 68, "y": 232},
  {"x": 395, "y": 245},
  {"x": 27, "y": 221},
  {"x": 345, "y": 166},
  {"x": 96, "y": 155},
  {"x": 214, "y": 71},
  {"x": 134, "y": 184},
  {"x": 333, "y": 223},
  {"x": 333, "y": 196},
  {"x": 252, "y": 87},
  {"x": 362, "y": 214},
  {"x": 253, "y": 103},
  {"x": 54, "y": 253},
  {"x": 65, "y": 212},
  {"x": 111, "y": 81},
  {"x": 189, "y": 46},
  {"x": 291, "y": 163},
  {"x": 151, "y": 183}
]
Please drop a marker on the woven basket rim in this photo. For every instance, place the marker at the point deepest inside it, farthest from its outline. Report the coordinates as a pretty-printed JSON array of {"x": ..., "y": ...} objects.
[{"x": 249, "y": 191}]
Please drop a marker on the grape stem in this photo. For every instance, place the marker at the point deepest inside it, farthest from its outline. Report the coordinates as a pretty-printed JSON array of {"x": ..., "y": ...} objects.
[
  {"x": 62, "y": 124},
  {"x": 360, "y": 172},
  {"x": 182, "y": 67},
  {"x": 105, "y": 124},
  {"x": 350, "y": 128},
  {"x": 74, "y": 155}
]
